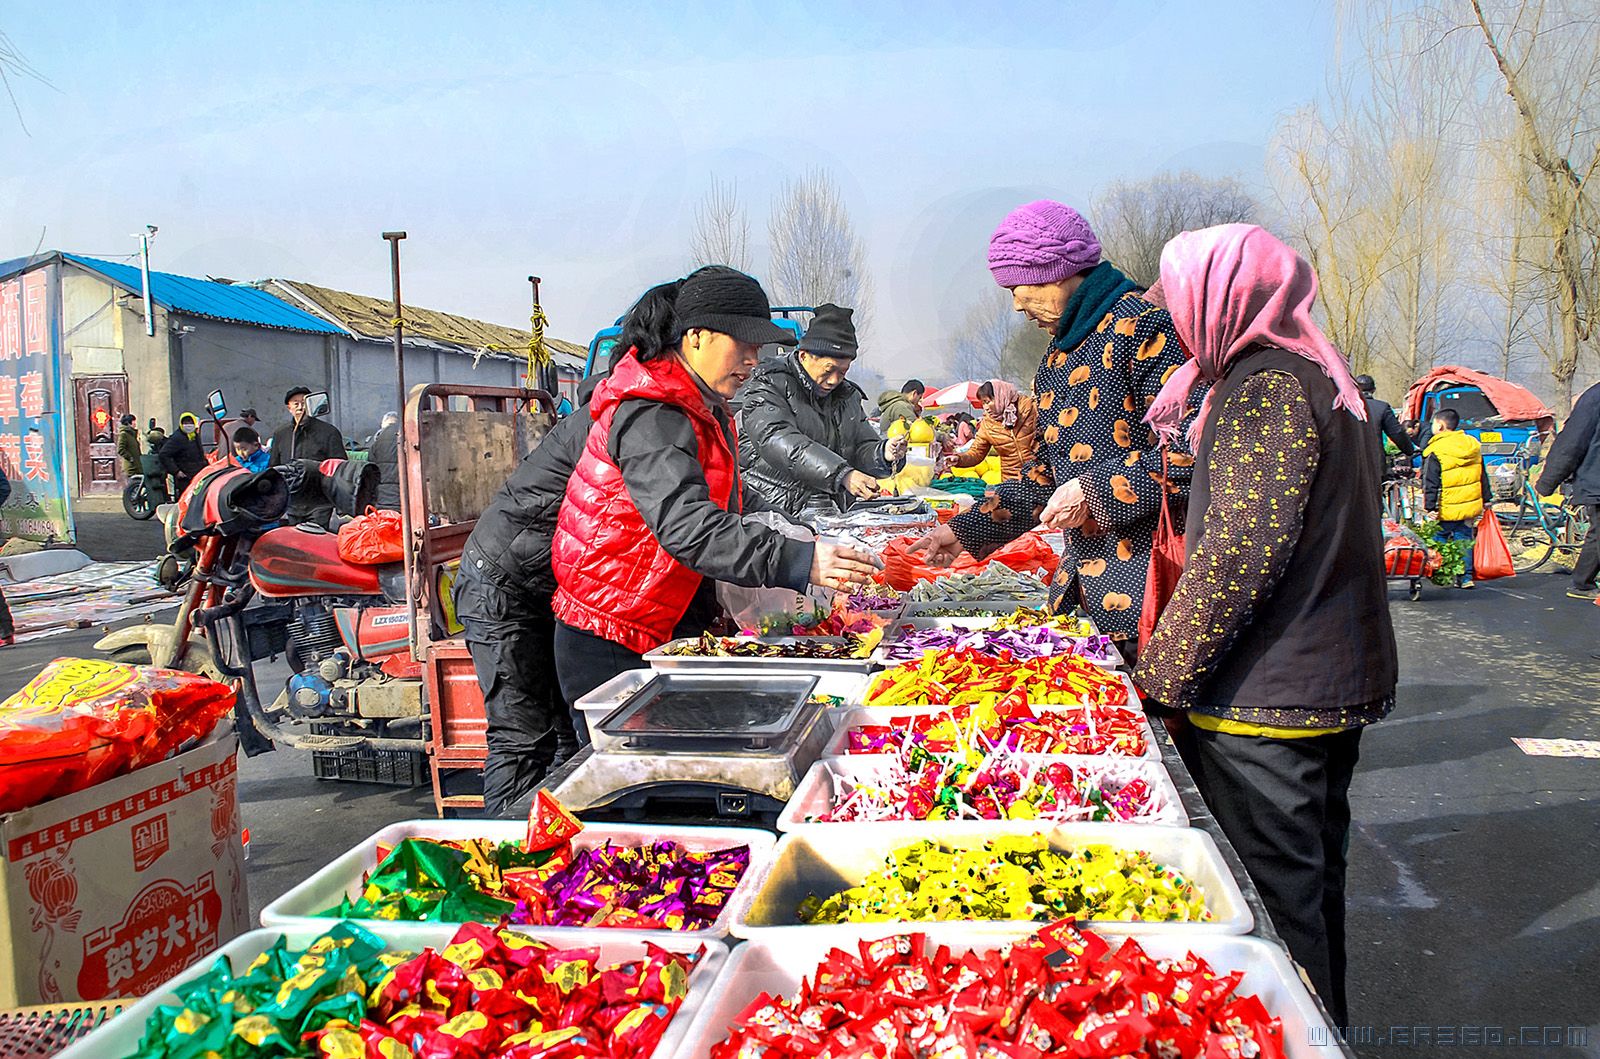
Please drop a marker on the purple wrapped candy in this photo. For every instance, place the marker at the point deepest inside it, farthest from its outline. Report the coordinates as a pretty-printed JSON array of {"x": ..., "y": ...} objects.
[
  {"x": 1027, "y": 641},
  {"x": 628, "y": 886}
]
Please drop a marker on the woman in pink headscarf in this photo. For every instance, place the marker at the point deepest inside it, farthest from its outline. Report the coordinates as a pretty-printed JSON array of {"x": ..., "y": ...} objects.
[
  {"x": 1009, "y": 427},
  {"x": 1277, "y": 642}
]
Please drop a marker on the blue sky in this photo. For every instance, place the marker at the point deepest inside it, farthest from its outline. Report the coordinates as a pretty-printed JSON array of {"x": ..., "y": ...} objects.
[{"x": 574, "y": 140}]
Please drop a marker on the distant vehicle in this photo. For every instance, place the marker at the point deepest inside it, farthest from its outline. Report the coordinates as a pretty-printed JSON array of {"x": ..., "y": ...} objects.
[
  {"x": 604, "y": 341},
  {"x": 1501, "y": 438}
]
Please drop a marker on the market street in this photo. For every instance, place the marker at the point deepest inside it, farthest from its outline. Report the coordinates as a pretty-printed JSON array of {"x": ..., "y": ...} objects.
[{"x": 1472, "y": 863}]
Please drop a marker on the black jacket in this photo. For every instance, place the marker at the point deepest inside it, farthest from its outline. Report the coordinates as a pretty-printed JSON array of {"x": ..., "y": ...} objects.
[
  {"x": 516, "y": 529},
  {"x": 182, "y": 455},
  {"x": 385, "y": 455},
  {"x": 1575, "y": 455},
  {"x": 314, "y": 440},
  {"x": 1381, "y": 420},
  {"x": 796, "y": 445}
]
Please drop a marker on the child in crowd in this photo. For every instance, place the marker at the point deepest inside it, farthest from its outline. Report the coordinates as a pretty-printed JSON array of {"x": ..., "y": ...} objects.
[{"x": 1455, "y": 483}]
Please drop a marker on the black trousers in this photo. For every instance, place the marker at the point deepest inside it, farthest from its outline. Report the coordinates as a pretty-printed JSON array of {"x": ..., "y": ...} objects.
[
  {"x": 511, "y": 634},
  {"x": 1583, "y": 574},
  {"x": 1285, "y": 806},
  {"x": 8, "y": 627},
  {"x": 584, "y": 661}
]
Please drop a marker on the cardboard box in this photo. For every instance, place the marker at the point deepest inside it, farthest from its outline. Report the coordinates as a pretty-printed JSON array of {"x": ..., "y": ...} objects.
[{"x": 111, "y": 891}]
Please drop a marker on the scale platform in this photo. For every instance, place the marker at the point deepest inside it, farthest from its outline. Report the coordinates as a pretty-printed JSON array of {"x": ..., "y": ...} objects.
[{"x": 740, "y": 744}]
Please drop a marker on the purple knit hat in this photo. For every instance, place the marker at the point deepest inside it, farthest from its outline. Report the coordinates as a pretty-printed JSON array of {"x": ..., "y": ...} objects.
[{"x": 1042, "y": 242}]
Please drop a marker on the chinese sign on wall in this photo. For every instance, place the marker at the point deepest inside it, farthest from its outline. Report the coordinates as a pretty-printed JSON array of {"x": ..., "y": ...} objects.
[{"x": 30, "y": 414}]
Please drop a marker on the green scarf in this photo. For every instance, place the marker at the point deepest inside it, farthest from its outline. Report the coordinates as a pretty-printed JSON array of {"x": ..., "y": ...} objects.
[{"x": 1099, "y": 291}]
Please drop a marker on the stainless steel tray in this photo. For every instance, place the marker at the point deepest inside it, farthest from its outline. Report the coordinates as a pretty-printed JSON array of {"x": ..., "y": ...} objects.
[{"x": 659, "y": 659}]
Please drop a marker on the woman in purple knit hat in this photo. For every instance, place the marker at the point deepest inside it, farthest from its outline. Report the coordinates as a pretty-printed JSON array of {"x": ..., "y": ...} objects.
[{"x": 1097, "y": 474}]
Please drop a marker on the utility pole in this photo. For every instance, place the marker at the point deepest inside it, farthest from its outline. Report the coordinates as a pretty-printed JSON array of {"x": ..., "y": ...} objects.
[
  {"x": 144, "y": 274},
  {"x": 402, "y": 442}
]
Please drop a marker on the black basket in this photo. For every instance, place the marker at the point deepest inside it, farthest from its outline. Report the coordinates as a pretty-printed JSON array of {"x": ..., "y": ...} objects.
[{"x": 392, "y": 768}]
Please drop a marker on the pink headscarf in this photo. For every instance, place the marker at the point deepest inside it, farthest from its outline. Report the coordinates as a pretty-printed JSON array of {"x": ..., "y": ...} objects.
[
  {"x": 1003, "y": 405},
  {"x": 1229, "y": 288}
]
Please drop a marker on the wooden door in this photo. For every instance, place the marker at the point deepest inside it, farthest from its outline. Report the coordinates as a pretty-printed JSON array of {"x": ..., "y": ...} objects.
[{"x": 101, "y": 401}]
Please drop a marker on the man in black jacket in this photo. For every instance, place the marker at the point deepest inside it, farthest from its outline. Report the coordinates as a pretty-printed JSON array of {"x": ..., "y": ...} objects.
[
  {"x": 1574, "y": 462},
  {"x": 1381, "y": 420},
  {"x": 805, "y": 444},
  {"x": 181, "y": 454},
  {"x": 305, "y": 437},
  {"x": 385, "y": 455}
]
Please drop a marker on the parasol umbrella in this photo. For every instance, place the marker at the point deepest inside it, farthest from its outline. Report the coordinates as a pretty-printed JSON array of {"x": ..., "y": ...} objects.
[{"x": 955, "y": 397}]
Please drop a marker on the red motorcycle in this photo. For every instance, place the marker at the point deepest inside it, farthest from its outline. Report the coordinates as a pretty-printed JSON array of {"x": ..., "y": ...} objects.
[{"x": 254, "y": 589}]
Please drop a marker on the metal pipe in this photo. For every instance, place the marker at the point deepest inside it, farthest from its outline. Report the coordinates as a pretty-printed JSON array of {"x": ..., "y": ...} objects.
[
  {"x": 413, "y": 580},
  {"x": 144, "y": 275}
]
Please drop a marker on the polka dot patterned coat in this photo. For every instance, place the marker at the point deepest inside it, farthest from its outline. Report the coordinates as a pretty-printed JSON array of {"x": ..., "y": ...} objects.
[{"x": 1092, "y": 399}]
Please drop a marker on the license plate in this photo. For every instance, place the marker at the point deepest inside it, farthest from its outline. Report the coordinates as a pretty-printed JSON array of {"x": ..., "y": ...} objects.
[{"x": 1489, "y": 436}]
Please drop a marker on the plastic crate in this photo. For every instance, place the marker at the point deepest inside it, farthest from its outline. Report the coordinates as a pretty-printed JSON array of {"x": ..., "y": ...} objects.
[{"x": 392, "y": 768}]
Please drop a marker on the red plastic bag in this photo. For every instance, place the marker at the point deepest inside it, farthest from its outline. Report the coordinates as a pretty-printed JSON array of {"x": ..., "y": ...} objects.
[
  {"x": 1166, "y": 566},
  {"x": 1028, "y": 554},
  {"x": 81, "y": 721},
  {"x": 372, "y": 539},
  {"x": 1491, "y": 557}
]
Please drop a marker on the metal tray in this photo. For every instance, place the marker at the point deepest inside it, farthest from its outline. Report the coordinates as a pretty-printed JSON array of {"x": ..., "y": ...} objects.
[
  {"x": 1003, "y": 608},
  {"x": 658, "y": 659},
  {"x": 778, "y": 967},
  {"x": 844, "y": 720},
  {"x": 806, "y": 864},
  {"x": 120, "y": 1036},
  {"x": 815, "y": 795},
  {"x": 646, "y": 717},
  {"x": 619, "y": 689},
  {"x": 880, "y": 654},
  {"x": 343, "y": 876}
]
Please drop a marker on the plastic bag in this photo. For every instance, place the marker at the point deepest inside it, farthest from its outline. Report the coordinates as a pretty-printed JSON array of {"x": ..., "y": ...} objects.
[
  {"x": 1028, "y": 554},
  {"x": 81, "y": 721},
  {"x": 747, "y": 606},
  {"x": 372, "y": 539},
  {"x": 1166, "y": 566},
  {"x": 1491, "y": 556}
]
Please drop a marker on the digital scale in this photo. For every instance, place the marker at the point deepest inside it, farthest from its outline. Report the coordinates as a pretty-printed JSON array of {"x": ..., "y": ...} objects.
[{"x": 728, "y": 744}]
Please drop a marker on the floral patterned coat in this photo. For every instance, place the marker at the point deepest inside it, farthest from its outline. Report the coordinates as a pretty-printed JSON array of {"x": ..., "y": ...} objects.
[{"x": 1092, "y": 399}]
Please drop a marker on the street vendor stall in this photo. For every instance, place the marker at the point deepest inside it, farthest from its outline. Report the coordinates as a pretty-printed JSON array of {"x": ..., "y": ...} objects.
[{"x": 929, "y": 849}]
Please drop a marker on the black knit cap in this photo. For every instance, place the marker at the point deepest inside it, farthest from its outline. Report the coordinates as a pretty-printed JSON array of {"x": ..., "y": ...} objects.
[
  {"x": 832, "y": 333},
  {"x": 724, "y": 299}
]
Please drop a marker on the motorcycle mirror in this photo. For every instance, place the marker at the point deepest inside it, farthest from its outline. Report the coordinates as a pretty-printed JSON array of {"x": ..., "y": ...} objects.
[
  {"x": 216, "y": 404},
  {"x": 317, "y": 403}
]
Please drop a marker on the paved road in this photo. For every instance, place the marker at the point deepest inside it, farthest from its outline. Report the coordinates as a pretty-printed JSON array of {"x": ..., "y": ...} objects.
[{"x": 1475, "y": 900}]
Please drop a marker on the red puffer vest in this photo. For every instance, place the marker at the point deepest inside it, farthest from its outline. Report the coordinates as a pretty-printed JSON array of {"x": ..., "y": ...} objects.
[{"x": 614, "y": 579}]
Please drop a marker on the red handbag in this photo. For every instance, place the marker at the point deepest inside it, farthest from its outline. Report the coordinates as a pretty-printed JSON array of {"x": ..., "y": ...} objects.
[{"x": 1166, "y": 565}]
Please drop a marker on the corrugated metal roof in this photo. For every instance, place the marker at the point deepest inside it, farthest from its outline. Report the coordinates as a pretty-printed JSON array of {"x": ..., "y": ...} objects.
[
  {"x": 210, "y": 299},
  {"x": 374, "y": 318}
]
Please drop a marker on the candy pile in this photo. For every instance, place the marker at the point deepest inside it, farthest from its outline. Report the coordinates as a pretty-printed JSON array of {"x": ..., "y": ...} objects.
[
  {"x": 978, "y": 729},
  {"x": 882, "y": 600},
  {"x": 1013, "y": 878},
  {"x": 489, "y": 992},
  {"x": 995, "y": 582},
  {"x": 1001, "y": 786},
  {"x": 840, "y": 622},
  {"x": 1022, "y": 617},
  {"x": 1025, "y": 641},
  {"x": 1058, "y": 993},
  {"x": 709, "y": 646},
  {"x": 543, "y": 881},
  {"x": 661, "y": 886},
  {"x": 960, "y": 677}
]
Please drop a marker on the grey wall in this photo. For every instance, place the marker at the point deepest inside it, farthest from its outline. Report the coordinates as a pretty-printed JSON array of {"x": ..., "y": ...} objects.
[
  {"x": 367, "y": 385},
  {"x": 252, "y": 366}
]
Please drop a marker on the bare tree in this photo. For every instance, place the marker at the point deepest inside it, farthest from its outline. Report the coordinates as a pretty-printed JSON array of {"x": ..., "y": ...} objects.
[
  {"x": 721, "y": 228},
  {"x": 1135, "y": 220},
  {"x": 995, "y": 342},
  {"x": 1547, "y": 57},
  {"x": 14, "y": 65},
  {"x": 816, "y": 255}
]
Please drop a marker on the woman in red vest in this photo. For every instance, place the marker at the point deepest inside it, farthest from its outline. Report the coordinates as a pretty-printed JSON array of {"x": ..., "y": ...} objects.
[{"x": 651, "y": 518}]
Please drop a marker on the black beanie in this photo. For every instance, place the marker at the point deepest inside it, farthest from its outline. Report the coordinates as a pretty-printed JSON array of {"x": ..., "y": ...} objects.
[{"x": 832, "y": 333}]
